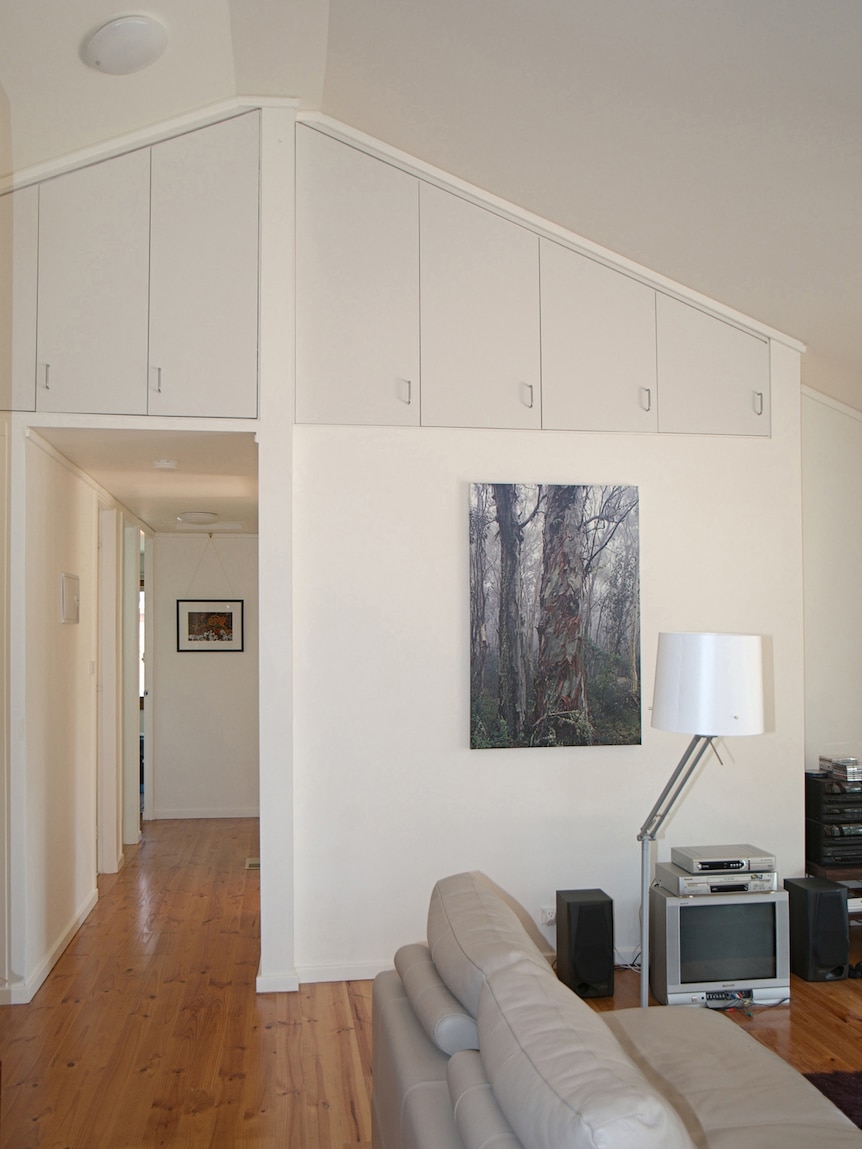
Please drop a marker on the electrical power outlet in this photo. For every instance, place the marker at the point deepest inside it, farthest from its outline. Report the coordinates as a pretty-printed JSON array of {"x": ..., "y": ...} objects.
[{"x": 548, "y": 915}]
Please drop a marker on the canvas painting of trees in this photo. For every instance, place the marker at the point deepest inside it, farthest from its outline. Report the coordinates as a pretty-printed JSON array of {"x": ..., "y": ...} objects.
[{"x": 554, "y": 615}]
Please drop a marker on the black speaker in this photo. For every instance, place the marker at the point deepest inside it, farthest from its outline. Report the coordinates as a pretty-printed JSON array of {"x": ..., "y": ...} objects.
[
  {"x": 585, "y": 942},
  {"x": 819, "y": 929}
]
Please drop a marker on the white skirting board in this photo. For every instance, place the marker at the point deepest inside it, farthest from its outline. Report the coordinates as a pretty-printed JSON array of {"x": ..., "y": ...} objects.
[
  {"x": 207, "y": 812},
  {"x": 22, "y": 992}
]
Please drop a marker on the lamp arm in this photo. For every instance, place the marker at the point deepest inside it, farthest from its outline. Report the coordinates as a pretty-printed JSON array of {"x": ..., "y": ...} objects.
[
  {"x": 674, "y": 787},
  {"x": 648, "y": 831}
]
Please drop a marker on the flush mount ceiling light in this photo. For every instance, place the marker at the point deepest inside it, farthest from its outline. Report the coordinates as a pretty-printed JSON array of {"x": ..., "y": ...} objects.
[
  {"x": 165, "y": 464},
  {"x": 125, "y": 45},
  {"x": 198, "y": 518}
]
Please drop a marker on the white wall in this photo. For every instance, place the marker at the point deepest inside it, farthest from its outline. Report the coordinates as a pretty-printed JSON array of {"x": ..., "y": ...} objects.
[
  {"x": 53, "y": 819},
  {"x": 205, "y": 704},
  {"x": 4, "y": 688},
  {"x": 832, "y": 533},
  {"x": 388, "y": 797}
]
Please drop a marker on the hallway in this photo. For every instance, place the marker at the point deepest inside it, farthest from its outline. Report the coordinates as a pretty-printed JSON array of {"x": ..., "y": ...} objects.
[{"x": 148, "y": 1032}]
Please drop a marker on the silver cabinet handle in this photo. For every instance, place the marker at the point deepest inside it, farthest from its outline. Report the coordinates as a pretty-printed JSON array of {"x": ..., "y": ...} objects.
[
  {"x": 409, "y": 392},
  {"x": 529, "y": 387},
  {"x": 159, "y": 380},
  {"x": 758, "y": 402},
  {"x": 647, "y": 393},
  {"x": 47, "y": 377}
]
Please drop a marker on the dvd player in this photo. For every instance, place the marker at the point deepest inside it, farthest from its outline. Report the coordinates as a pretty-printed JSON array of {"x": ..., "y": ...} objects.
[
  {"x": 682, "y": 884},
  {"x": 709, "y": 859}
]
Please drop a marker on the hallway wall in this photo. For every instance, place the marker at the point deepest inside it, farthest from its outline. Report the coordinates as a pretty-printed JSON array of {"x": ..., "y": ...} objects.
[
  {"x": 205, "y": 704},
  {"x": 53, "y": 819}
]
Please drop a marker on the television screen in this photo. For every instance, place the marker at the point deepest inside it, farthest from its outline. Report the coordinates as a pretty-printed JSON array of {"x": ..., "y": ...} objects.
[{"x": 727, "y": 942}]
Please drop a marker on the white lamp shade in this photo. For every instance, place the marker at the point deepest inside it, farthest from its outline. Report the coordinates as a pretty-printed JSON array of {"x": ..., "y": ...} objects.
[{"x": 709, "y": 684}]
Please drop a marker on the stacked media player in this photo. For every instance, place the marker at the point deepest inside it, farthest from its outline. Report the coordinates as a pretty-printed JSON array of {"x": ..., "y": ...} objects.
[{"x": 719, "y": 928}]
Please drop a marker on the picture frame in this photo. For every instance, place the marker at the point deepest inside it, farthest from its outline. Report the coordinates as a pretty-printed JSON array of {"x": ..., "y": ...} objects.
[
  {"x": 554, "y": 615},
  {"x": 209, "y": 626}
]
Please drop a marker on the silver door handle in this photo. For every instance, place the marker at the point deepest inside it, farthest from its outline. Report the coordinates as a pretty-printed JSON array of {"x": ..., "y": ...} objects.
[
  {"x": 529, "y": 387},
  {"x": 758, "y": 402},
  {"x": 647, "y": 391},
  {"x": 47, "y": 379}
]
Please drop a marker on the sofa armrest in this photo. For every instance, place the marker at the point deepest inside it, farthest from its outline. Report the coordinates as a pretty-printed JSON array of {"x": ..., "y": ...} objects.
[
  {"x": 479, "y": 1119},
  {"x": 443, "y": 1017}
]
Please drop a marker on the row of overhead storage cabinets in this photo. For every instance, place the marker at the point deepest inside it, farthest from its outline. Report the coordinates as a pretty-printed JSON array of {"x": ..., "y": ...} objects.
[
  {"x": 134, "y": 286},
  {"x": 417, "y": 306}
]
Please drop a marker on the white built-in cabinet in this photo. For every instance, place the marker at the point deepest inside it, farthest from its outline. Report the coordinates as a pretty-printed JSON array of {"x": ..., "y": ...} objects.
[
  {"x": 386, "y": 264},
  {"x": 511, "y": 328},
  {"x": 713, "y": 376},
  {"x": 479, "y": 292},
  {"x": 598, "y": 346},
  {"x": 204, "y": 271},
  {"x": 357, "y": 286},
  {"x": 19, "y": 232},
  {"x": 94, "y": 288},
  {"x": 146, "y": 300}
]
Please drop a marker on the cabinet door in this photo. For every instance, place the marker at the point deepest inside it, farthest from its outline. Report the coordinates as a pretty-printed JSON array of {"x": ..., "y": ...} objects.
[
  {"x": 93, "y": 286},
  {"x": 204, "y": 271},
  {"x": 480, "y": 316},
  {"x": 357, "y": 286},
  {"x": 713, "y": 378},
  {"x": 598, "y": 346},
  {"x": 19, "y": 242}
]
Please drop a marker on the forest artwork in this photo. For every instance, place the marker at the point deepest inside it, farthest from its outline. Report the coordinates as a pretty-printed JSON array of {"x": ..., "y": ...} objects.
[{"x": 554, "y": 615}]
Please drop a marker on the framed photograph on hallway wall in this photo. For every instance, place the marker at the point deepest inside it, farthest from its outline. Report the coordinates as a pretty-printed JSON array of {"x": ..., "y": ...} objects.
[{"x": 209, "y": 625}]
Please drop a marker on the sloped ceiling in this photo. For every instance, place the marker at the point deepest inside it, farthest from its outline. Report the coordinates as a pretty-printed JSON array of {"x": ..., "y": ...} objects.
[{"x": 718, "y": 142}]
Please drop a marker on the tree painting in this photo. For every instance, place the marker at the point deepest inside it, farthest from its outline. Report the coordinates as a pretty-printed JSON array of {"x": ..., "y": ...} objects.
[{"x": 554, "y": 615}]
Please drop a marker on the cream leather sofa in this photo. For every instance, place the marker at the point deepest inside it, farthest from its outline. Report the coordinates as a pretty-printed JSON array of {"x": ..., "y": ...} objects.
[{"x": 477, "y": 1045}]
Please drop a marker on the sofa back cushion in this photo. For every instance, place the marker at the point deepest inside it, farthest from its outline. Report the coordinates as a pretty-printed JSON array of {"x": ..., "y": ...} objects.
[
  {"x": 559, "y": 1075},
  {"x": 471, "y": 933}
]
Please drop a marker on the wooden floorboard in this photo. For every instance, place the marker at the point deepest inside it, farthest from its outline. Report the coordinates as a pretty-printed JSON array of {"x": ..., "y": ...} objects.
[{"x": 149, "y": 1032}]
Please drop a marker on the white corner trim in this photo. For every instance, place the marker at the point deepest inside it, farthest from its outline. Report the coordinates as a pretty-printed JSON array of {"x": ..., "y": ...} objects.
[
  {"x": 144, "y": 137},
  {"x": 835, "y": 404}
]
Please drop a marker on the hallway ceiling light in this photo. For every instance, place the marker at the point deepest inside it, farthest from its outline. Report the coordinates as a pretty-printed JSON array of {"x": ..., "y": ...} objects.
[
  {"x": 222, "y": 526},
  {"x": 125, "y": 45},
  {"x": 165, "y": 464},
  {"x": 199, "y": 518}
]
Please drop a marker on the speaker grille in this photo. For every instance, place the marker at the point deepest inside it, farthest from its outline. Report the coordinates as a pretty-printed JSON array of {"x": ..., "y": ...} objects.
[
  {"x": 585, "y": 942},
  {"x": 819, "y": 929}
]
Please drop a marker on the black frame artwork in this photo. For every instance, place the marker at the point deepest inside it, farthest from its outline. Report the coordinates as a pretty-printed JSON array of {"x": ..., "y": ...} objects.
[{"x": 211, "y": 626}]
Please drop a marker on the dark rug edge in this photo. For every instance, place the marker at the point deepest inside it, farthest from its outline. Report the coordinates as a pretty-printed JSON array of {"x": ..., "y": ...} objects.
[{"x": 843, "y": 1089}]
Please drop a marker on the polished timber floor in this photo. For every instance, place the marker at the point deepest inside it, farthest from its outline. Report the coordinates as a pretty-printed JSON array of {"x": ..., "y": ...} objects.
[{"x": 148, "y": 1032}]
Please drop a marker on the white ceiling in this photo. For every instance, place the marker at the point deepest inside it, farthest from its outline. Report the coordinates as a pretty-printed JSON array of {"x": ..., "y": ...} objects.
[
  {"x": 212, "y": 471},
  {"x": 718, "y": 142}
]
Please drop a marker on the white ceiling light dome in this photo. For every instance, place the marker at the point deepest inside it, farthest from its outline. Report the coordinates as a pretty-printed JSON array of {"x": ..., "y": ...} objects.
[
  {"x": 125, "y": 45},
  {"x": 199, "y": 518}
]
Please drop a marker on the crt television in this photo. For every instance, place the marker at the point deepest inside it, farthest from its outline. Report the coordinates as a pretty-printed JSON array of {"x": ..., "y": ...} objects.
[{"x": 719, "y": 949}]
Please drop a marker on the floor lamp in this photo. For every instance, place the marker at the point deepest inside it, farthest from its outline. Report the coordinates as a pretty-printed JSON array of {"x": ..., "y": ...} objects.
[{"x": 709, "y": 686}]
